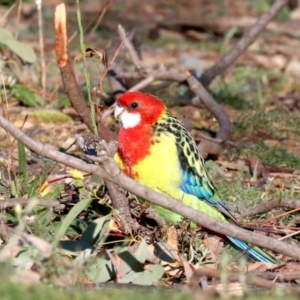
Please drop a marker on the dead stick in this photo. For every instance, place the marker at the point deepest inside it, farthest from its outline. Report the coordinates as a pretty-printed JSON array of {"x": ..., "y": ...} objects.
[
  {"x": 249, "y": 37},
  {"x": 109, "y": 170}
]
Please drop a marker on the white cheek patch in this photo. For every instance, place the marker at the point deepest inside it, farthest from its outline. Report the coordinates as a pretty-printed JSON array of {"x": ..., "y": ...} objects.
[{"x": 129, "y": 120}]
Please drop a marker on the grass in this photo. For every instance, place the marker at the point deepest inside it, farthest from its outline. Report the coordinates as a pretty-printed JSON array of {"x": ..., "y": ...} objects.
[
  {"x": 13, "y": 291},
  {"x": 247, "y": 87}
]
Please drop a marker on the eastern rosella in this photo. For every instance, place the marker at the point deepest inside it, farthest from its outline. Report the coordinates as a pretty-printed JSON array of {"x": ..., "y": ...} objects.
[{"x": 156, "y": 150}]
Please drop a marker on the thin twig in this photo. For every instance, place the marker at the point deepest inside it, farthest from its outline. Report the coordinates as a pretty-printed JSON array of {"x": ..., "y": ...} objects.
[
  {"x": 268, "y": 206},
  {"x": 20, "y": 2},
  {"x": 24, "y": 201},
  {"x": 4, "y": 18},
  {"x": 99, "y": 19},
  {"x": 289, "y": 235},
  {"x": 133, "y": 54},
  {"x": 280, "y": 215},
  {"x": 41, "y": 42},
  {"x": 207, "y": 147},
  {"x": 142, "y": 84}
]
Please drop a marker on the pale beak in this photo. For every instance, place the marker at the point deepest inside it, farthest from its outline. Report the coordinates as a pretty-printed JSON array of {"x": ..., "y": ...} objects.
[{"x": 118, "y": 111}]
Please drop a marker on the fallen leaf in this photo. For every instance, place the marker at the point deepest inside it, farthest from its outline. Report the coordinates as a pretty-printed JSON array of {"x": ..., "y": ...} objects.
[{"x": 214, "y": 244}]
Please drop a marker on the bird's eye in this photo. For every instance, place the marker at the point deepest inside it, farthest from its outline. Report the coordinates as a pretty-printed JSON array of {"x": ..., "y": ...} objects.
[{"x": 134, "y": 105}]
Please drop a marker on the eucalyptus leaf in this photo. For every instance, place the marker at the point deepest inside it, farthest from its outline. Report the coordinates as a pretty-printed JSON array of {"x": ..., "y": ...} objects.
[
  {"x": 81, "y": 259},
  {"x": 24, "y": 258},
  {"x": 165, "y": 252},
  {"x": 129, "y": 262},
  {"x": 97, "y": 230},
  {"x": 74, "y": 246},
  {"x": 141, "y": 253},
  {"x": 130, "y": 277},
  {"x": 24, "y": 51},
  {"x": 101, "y": 271},
  {"x": 150, "y": 276},
  {"x": 5, "y": 35},
  {"x": 73, "y": 213}
]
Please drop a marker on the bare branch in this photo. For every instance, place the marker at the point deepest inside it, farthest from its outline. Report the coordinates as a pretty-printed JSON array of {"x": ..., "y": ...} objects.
[
  {"x": 208, "y": 147},
  {"x": 23, "y": 201},
  {"x": 210, "y": 74},
  {"x": 66, "y": 67},
  {"x": 134, "y": 55},
  {"x": 265, "y": 207},
  {"x": 110, "y": 171},
  {"x": 117, "y": 194}
]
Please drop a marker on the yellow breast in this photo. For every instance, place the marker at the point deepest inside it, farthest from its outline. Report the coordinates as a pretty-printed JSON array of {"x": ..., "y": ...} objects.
[{"x": 160, "y": 171}]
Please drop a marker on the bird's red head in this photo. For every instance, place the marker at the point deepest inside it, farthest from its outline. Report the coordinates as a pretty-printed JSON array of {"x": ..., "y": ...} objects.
[{"x": 136, "y": 108}]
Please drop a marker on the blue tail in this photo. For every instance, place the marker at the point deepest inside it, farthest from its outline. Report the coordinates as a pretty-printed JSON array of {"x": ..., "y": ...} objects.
[{"x": 254, "y": 253}]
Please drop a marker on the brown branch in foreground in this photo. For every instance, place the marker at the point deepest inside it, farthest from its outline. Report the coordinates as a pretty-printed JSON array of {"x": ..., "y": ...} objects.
[
  {"x": 108, "y": 170},
  {"x": 265, "y": 207},
  {"x": 66, "y": 67},
  {"x": 79, "y": 103},
  {"x": 210, "y": 74},
  {"x": 23, "y": 201}
]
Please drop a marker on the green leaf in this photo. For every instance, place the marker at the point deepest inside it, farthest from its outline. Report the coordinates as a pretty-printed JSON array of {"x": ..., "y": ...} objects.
[
  {"x": 165, "y": 252},
  {"x": 24, "y": 258},
  {"x": 141, "y": 253},
  {"x": 73, "y": 213},
  {"x": 130, "y": 277},
  {"x": 101, "y": 270},
  {"x": 96, "y": 232},
  {"x": 150, "y": 276},
  {"x": 50, "y": 116},
  {"x": 74, "y": 246},
  {"x": 33, "y": 186},
  {"x": 14, "y": 189},
  {"x": 24, "y": 51},
  {"x": 53, "y": 195},
  {"x": 82, "y": 257},
  {"x": 22, "y": 160},
  {"x": 26, "y": 96},
  {"x": 5, "y": 35},
  {"x": 129, "y": 262}
]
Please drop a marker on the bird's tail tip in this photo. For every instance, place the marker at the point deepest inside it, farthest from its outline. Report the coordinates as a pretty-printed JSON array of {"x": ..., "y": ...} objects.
[{"x": 254, "y": 253}]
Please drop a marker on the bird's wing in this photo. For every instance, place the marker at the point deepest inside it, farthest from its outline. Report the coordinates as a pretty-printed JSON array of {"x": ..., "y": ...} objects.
[{"x": 196, "y": 180}]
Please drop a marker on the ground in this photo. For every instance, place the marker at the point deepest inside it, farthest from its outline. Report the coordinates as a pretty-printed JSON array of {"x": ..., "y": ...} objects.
[{"x": 259, "y": 161}]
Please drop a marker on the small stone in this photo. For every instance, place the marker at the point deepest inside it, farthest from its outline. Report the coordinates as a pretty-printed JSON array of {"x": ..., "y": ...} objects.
[
  {"x": 293, "y": 68},
  {"x": 278, "y": 61}
]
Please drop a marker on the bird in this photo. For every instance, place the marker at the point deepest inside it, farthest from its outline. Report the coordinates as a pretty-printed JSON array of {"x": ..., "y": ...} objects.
[{"x": 155, "y": 149}]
